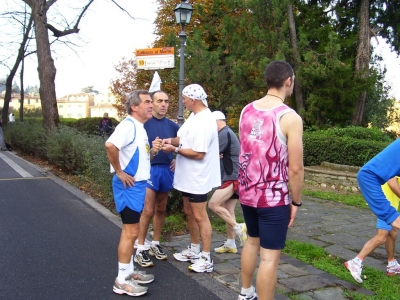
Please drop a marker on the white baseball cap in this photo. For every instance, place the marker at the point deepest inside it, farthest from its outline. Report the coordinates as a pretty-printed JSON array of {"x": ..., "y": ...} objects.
[{"x": 218, "y": 115}]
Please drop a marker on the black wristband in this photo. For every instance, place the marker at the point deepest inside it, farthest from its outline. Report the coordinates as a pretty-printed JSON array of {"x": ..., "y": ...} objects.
[{"x": 297, "y": 204}]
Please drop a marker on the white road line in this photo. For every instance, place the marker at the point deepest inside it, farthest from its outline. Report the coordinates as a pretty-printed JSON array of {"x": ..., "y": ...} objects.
[{"x": 15, "y": 166}]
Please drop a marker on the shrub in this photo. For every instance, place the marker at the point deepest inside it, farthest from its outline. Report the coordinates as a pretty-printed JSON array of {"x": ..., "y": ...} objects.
[
  {"x": 87, "y": 125},
  {"x": 348, "y": 146},
  {"x": 68, "y": 148},
  {"x": 30, "y": 137},
  {"x": 175, "y": 202},
  {"x": 360, "y": 133}
]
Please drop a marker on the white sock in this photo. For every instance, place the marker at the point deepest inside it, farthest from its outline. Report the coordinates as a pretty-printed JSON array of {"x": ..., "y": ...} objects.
[
  {"x": 195, "y": 248},
  {"x": 358, "y": 260},
  {"x": 206, "y": 255},
  {"x": 155, "y": 242},
  {"x": 392, "y": 263},
  {"x": 131, "y": 266},
  {"x": 231, "y": 243},
  {"x": 140, "y": 248},
  {"x": 123, "y": 272},
  {"x": 248, "y": 292}
]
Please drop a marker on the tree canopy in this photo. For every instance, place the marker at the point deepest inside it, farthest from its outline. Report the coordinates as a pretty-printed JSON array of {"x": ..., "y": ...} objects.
[{"x": 230, "y": 42}]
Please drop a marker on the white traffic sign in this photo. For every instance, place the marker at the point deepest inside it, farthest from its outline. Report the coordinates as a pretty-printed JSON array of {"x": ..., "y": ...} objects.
[
  {"x": 155, "y": 62},
  {"x": 155, "y": 58}
]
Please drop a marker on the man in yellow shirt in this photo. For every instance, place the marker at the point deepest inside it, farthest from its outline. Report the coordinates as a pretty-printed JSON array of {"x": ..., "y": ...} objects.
[{"x": 385, "y": 233}]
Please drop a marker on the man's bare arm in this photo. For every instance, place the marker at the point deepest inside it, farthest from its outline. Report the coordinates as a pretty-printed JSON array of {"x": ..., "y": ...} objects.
[
  {"x": 113, "y": 157},
  {"x": 394, "y": 186},
  {"x": 292, "y": 127}
]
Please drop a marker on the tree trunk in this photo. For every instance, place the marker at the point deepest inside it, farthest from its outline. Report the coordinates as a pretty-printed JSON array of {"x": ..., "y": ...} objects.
[
  {"x": 10, "y": 77},
  {"x": 362, "y": 60},
  {"x": 46, "y": 67},
  {"x": 21, "y": 105},
  {"x": 293, "y": 39}
]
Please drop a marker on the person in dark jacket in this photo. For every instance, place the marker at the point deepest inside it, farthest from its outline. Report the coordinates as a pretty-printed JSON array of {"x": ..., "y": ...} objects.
[{"x": 105, "y": 125}]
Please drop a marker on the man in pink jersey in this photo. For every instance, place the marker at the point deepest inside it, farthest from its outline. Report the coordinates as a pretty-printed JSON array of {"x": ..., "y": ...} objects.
[{"x": 271, "y": 155}]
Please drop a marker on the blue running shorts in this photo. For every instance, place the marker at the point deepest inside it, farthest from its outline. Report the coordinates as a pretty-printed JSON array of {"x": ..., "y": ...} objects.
[
  {"x": 133, "y": 197},
  {"x": 161, "y": 178},
  {"x": 269, "y": 224},
  {"x": 380, "y": 224}
]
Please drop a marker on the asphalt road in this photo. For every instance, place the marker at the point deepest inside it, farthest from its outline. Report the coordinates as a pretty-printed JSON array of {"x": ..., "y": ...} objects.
[{"x": 56, "y": 243}]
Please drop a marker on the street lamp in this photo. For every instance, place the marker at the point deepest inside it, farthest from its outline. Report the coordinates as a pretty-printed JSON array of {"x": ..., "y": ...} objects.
[{"x": 183, "y": 13}]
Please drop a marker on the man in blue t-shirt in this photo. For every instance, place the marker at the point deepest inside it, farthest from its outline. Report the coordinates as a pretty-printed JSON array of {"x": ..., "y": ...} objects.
[
  {"x": 376, "y": 172},
  {"x": 159, "y": 184}
]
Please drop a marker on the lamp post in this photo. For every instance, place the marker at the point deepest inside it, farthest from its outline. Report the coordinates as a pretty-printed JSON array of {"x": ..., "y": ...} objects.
[{"x": 183, "y": 13}]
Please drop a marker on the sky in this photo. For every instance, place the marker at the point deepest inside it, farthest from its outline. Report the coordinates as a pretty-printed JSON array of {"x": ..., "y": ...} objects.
[{"x": 108, "y": 34}]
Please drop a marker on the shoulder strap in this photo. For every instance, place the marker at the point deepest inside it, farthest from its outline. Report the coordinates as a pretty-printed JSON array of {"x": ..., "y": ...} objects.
[{"x": 134, "y": 125}]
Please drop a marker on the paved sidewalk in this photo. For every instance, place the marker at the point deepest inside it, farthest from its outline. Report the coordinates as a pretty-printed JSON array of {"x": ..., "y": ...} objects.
[{"x": 342, "y": 230}]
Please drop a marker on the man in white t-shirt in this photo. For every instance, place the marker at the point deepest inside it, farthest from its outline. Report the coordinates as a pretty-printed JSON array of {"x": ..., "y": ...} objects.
[
  {"x": 197, "y": 172},
  {"x": 129, "y": 153}
]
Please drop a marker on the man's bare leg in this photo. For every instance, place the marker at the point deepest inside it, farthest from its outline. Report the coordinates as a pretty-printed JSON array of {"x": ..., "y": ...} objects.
[
  {"x": 370, "y": 246},
  {"x": 217, "y": 201},
  {"x": 249, "y": 260},
  {"x": 267, "y": 274},
  {"x": 159, "y": 214},
  {"x": 129, "y": 234},
  {"x": 192, "y": 224},
  {"x": 147, "y": 214},
  {"x": 230, "y": 206},
  {"x": 390, "y": 244},
  {"x": 203, "y": 222}
]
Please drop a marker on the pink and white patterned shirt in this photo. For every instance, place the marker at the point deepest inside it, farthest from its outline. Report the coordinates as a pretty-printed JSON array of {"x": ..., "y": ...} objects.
[{"x": 263, "y": 160}]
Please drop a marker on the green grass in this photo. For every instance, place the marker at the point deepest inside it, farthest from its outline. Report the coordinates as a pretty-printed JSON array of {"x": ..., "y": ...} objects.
[
  {"x": 175, "y": 224},
  {"x": 385, "y": 287},
  {"x": 356, "y": 200}
]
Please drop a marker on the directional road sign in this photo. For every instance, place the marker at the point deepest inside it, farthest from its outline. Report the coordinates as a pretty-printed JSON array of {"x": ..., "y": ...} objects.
[{"x": 155, "y": 58}]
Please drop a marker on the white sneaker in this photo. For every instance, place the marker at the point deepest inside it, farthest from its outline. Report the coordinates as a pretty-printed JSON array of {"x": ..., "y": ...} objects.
[
  {"x": 187, "y": 255},
  {"x": 202, "y": 265},
  {"x": 129, "y": 287},
  {"x": 393, "y": 269},
  {"x": 248, "y": 297},
  {"x": 355, "y": 269},
  {"x": 225, "y": 248},
  {"x": 147, "y": 244}
]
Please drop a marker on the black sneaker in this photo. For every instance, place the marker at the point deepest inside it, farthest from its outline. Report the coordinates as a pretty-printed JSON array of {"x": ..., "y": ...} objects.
[
  {"x": 143, "y": 260},
  {"x": 158, "y": 252}
]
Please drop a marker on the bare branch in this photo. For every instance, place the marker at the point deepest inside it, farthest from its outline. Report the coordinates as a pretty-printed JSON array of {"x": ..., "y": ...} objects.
[
  {"x": 124, "y": 10},
  {"x": 29, "y": 53},
  {"x": 58, "y": 33},
  {"x": 374, "y": 31},
  {"x": 121, "y": 8},
  {"x": 50, "y": 3}
]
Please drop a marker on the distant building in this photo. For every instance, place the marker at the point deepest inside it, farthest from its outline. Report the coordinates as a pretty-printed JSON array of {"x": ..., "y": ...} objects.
[
  {"x": 103, "y": 103},
  {"x": 75, "y": 106},
  {"x": 30, "y": 101}
]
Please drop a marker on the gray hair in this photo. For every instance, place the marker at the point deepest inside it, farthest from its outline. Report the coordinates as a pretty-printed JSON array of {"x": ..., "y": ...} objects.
[{"x": 133, "y": 98}]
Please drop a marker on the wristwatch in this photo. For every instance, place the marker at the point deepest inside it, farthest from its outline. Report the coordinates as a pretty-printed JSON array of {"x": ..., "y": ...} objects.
[
  {"x": 297, "y": 204},
  {"x": 176, "y": 150}
]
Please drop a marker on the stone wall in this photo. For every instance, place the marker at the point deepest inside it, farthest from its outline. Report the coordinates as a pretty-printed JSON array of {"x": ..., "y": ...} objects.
[{"x": 331, "y": 175}]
